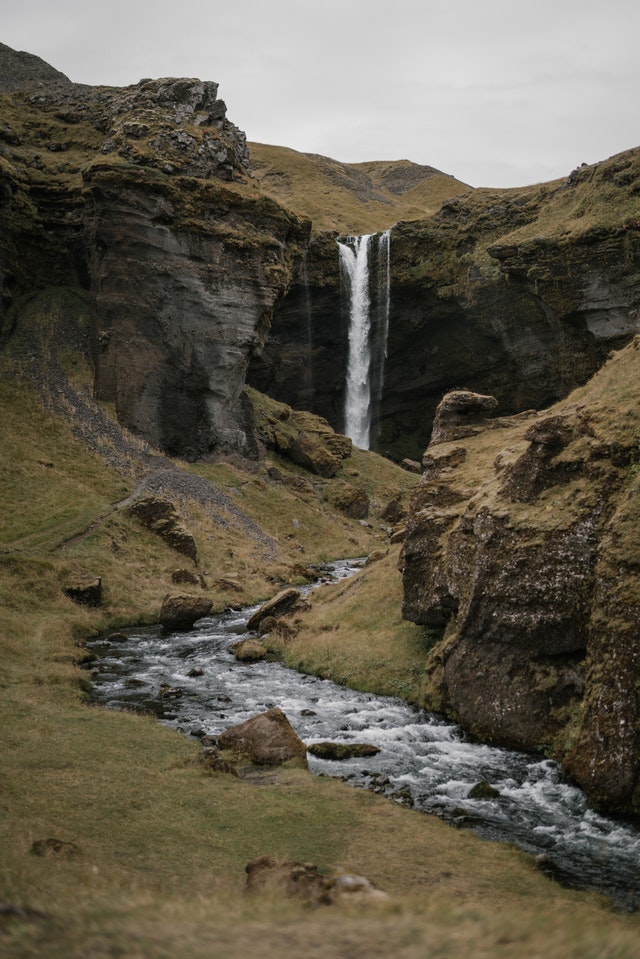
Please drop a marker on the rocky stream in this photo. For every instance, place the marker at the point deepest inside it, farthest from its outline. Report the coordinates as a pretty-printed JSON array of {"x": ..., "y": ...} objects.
[{"x": 193, "y": 683}]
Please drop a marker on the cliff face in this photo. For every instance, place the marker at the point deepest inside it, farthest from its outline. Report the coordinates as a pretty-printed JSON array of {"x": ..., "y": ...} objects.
[
  {"x": 521, "y": 560},
  {"x": 141, "y": 196},
  {"x": 518, "y": 293}
]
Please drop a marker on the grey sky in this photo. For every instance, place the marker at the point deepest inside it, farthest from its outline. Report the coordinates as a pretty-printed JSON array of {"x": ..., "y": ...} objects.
[{"x": 495, "y": 92}]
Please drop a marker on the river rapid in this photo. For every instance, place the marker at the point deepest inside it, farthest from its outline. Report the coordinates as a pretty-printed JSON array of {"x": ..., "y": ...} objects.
[{"x": 193, "y": 683}]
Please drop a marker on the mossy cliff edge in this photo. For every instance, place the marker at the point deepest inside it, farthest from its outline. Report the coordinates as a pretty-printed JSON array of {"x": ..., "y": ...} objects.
[
  {"x": 141, "y": 198},
  {"x": 521, "y": 559}
]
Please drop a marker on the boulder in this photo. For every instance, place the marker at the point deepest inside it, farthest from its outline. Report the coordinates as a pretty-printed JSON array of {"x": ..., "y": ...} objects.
[
  {"x": 265, "y": 740},
  {"x": 186, "y": 576},
  {"x": 313, "y": 455},
  {"x": 483, "y": 790},
  {"x": 339, "y": 751},
  {"x": 394, "y": 512},
  {"x": 274, "y": 607},
  {"x": 350, "y": 500},
  {"x": 249, "y": 651},
  {"x": 181, "y": 612},
  {"x": 461, "y": 413}
]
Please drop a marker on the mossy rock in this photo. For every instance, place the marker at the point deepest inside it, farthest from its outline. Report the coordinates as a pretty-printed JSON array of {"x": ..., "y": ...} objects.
[{"x": 340, "y": 751}]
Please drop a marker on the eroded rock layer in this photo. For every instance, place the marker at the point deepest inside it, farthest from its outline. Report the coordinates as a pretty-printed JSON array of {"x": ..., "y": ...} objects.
[{"x": 520, "y": 560}]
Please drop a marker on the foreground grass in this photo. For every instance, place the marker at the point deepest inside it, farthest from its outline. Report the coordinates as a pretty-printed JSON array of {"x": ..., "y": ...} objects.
[{"x": 162, "y": 844}]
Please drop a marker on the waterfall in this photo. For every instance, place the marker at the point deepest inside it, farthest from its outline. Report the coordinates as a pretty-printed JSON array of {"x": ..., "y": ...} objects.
[{"x": 368, "y": 331}]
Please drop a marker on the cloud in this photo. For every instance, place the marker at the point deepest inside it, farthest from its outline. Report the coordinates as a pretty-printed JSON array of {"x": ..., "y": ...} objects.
[{"x": 503, "y": 92}]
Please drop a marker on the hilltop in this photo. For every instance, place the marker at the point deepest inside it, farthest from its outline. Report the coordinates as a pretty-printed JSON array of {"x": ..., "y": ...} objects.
[{"x": 351, "y": 197}]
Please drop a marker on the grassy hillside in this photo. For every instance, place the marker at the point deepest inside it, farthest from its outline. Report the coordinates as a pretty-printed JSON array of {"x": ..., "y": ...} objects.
[
  {"x": 160, "y": 843},
  {"x": 351, "y": 197}
]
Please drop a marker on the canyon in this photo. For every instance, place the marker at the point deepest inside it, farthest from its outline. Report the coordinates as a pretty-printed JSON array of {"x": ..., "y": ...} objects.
[{"x": 203, "y": 268}]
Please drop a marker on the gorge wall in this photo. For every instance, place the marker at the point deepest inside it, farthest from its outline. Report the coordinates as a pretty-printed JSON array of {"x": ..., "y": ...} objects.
[
  {"x": 519, "y": 293},
  {"x": 520, "y": 559},
  {"x": 140, "y": 197}
]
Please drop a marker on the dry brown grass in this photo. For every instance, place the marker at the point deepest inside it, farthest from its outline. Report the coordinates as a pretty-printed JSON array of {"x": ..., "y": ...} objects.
[{"x": 349, "y": 197}]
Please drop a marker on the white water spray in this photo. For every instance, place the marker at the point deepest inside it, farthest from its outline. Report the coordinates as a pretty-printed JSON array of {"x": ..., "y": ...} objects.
[{"x": 368, "y": 330}]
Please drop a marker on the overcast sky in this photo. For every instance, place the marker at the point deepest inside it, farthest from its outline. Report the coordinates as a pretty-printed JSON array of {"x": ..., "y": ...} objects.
[{"x": 495, "y": 92}]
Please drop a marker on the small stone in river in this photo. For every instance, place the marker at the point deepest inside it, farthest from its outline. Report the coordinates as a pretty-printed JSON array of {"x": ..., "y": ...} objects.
[{"x": 483, "y": 790}]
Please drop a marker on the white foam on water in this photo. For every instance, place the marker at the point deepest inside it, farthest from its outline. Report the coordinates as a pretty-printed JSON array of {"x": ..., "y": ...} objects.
[{"x": 536, "y": 808}]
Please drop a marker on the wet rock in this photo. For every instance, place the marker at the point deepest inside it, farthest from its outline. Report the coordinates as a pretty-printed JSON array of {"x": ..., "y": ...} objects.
[
  {"x": 181, "y": 612},
  {"x": 265, "y": 740},
  {"x": 339, "y": 751},
  {"x": 249, "y": 651},
  {"x": 281, "y": 603},
  {"x": 483, "y": 790}
]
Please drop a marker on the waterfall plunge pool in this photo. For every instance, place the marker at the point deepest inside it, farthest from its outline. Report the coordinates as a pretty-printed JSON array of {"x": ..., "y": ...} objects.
[{"x": 193, "y": 683}]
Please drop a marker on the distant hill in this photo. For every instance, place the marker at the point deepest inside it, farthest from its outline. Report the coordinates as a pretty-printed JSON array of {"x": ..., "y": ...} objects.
[
  {"x": 19, "y": 69},
  {"x": 351, "y": 197}
]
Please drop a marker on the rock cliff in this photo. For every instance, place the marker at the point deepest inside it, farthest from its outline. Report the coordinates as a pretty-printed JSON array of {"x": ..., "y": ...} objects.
[
  {"x": 141, "y": 197},
  {"x": 516, "y": 293},
  {"x": 520, "y": 560}
]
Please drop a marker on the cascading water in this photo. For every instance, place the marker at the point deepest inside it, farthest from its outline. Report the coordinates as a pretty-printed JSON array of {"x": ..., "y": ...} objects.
[{"x": 368, "y": 330}]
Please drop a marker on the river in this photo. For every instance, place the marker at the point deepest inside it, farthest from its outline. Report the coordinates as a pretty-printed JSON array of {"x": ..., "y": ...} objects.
[{"x": 193, "y": 683}]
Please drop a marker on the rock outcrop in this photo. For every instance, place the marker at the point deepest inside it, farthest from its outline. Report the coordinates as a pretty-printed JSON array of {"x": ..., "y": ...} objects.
[
  {"x": 139, "y": 198},
  {"x": 305, "y": 881},
  {"x": 520, "y": 559}
]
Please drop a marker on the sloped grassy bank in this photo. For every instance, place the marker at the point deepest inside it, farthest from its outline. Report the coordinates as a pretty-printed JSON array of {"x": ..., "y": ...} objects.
[{"x": 159, "y": 844}]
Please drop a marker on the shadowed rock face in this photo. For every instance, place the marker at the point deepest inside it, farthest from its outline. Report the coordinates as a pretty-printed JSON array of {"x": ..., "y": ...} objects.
[
  {"x": 181, "y": 310},
  {"x": 139, "y": 195}
]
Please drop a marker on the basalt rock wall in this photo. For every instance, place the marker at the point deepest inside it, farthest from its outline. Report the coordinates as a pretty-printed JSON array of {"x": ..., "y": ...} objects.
[{"x": 142, "y": 198}]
